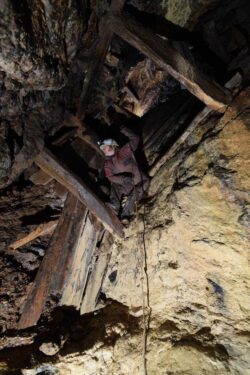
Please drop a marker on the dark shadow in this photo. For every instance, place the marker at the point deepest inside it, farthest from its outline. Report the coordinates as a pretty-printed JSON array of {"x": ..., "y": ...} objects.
[
  {"x": 43, "y": 216},
  {"x": 81, "y": 333}
]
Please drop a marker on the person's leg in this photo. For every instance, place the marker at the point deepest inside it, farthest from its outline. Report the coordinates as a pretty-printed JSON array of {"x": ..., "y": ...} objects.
[
  {"x": 115, "y": 198},
  {"x": 133, "y": 198}
]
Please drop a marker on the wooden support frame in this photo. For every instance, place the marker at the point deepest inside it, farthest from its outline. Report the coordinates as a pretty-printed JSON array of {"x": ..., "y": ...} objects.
[
  {"x": 54, "y": 167},
  {"x": 53, "y": 268},
  {"x": 79, "y": 270},
  {"x": 170, "y": 59}
]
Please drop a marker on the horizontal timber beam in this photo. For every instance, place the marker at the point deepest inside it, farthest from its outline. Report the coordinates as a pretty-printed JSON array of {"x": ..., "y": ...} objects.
[
  {"x": 170, "y": 59},
  {"x": 61, "y": 173}
]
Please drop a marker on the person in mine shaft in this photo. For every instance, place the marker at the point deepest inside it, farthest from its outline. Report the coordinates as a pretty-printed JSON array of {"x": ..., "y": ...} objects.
[{"x": 128, "y": 182}]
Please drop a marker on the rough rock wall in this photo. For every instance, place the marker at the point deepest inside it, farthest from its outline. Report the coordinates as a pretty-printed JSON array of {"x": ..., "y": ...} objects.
[{"x": 196, "y": 239}]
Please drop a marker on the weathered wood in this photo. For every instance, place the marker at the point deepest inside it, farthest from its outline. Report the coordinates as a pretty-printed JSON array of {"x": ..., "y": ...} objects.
[
  {"x": 234, "y": 84},
  {"x": 169, "y": 116},
  {"x": 86, "y": 134},
  {"x": 94, "y": 285},
  {"x": 40, "y": 178},
  {"x": 96, "y": 63},
  {"x": 79, "y": 270},
  {"x": 51, "y": 165},
  {"x": 169, "y": 58},
  {"x": 64, "y": 238},
  {"x": 195, "y": 123},
  {"x": 41, "y": 230}
]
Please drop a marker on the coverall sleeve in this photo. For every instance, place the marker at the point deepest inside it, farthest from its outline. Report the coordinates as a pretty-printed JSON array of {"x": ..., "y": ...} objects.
[
  {"x": 109, "y": 173},
  {"x": 133, "y": 138}
]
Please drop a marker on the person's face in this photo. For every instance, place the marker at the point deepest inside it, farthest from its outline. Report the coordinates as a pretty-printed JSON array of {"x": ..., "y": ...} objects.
[{"x": 108, "y": 150}]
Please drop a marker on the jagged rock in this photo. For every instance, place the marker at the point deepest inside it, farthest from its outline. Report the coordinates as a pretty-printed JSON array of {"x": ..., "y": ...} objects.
[
  {"x": 49, "y": 348},
  {"x": 186, "y": 12},
  {"x": 43, "y": 370}
]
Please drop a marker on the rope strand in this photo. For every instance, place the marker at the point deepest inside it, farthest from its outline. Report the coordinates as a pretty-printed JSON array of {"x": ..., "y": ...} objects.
[{"x": 145, "y": 294}]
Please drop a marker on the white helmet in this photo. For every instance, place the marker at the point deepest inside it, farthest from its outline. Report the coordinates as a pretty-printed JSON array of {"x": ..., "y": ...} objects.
[{"x": 108, "y": 142}]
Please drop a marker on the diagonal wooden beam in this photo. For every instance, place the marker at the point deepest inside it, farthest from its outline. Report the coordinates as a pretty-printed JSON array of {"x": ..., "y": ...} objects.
[
  {"x": 202, "y": 116},
  {"x": 61, "y": 173},
  {"x": 170, "y": 59},
  {"x": 97, "y": 59},
  {"x": 234, "y": 84}
]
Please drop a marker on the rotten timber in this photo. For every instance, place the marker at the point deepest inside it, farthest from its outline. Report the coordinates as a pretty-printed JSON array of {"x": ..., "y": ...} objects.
[
  {"x": 170, "y": 59},
  {"x": 61, "y": 173},
  {"x": 53, "y": 269},
  {"x": 97, "y": 59}
]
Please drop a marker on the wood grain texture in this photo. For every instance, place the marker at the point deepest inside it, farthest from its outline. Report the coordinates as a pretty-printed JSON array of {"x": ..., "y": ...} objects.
[
  {"x": 41, "y": 230},
  {"x": 52, "y": 269},
  {"x": 97, "y": 59},
  {"x": 79, "y": 270}
]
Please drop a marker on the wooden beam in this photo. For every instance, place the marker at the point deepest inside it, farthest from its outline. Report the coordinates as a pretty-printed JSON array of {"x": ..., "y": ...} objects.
[
  {"x": 54, "y": 167},
  {"x": 40, "y": 178},
  {"x": 79, "y": 269},
  {"x": 170, "y": 59},
  {"x": 93, "y": 288},
  {"x": 97, "y": 60},
  {"x": 98, "y": 269},
  {"x": 234, "y": 84},
  {"x": 194, "y": 124},
  {"x": 62, "y": 242},
  {"x": 41, "y": 230}
]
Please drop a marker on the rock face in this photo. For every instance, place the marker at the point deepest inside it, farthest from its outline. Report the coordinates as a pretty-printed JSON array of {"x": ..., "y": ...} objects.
[{"x": 196, "y": 241}]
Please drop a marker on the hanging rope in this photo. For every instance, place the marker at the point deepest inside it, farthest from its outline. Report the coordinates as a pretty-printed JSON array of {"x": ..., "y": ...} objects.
[{"x": 144, "y": 286}]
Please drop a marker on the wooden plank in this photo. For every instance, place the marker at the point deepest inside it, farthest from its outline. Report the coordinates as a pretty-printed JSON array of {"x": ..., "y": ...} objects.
[
  {"x": 64, "y": 238},
  {"x": 40, "y": 178},
  {"x": 195, "y": 123},
  {"x": 234, "y": 84},
  {"x": 90, "y": 299},
  {"x": 41, "y": 230},
  {"x": 170, "y": 59},
  {"x": 97, "y": 60},
  {"x": 51, "y": 165},
  {"x": 79, "y": 270}
]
